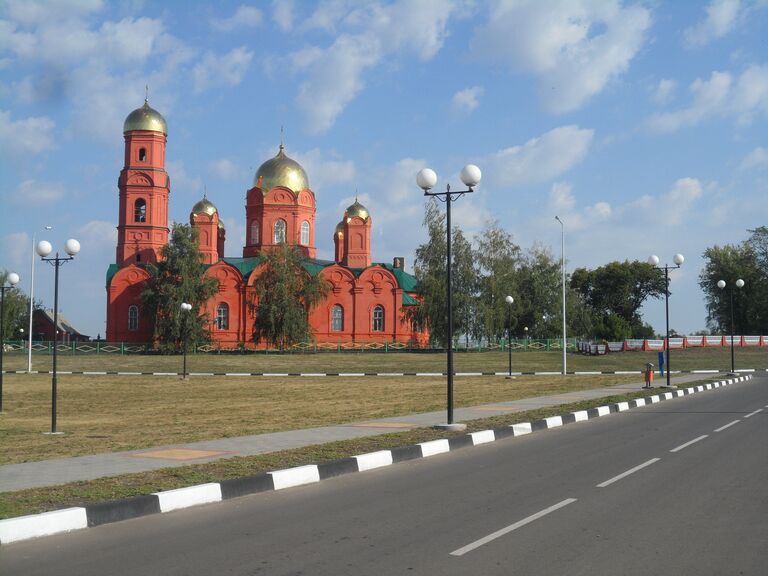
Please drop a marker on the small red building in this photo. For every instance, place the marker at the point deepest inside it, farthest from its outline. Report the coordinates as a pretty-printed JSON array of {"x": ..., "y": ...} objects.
[{"x": 366, "y": 301}]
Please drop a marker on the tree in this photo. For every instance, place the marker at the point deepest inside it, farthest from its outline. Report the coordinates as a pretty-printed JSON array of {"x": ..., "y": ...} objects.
[
  {"x": 285, "y": 293},
  {"x": 464, "y": 285},
  {"x": 15, "y": 310},
  {"x": 430, "y": 271},
  {"x": 748, "y": 261},
  {"x": 498, "y": 258},
  {"x": 614, "y": 293},
  {"x": 176, "y": 278},
  {"x": 539, "y": 293}
]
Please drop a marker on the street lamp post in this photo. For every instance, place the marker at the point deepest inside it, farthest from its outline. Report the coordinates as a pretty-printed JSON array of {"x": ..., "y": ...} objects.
[
  {"x": 509, "y": 300},
  {"x": 185, "y": 309},
  {"x": 32, "y": 299},
  {"x": 426, "y": 180},
  {"x": 12, "y": 280},
  {"x": 43, "y": 248},
  {"x": 562, "y": 267},
  {"x": 653, "y": 260},
  {"x": 721, "y": 285}
]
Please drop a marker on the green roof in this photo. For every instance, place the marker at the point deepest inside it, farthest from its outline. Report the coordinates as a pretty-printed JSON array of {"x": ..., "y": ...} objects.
[{"x": 246, "y": 265}]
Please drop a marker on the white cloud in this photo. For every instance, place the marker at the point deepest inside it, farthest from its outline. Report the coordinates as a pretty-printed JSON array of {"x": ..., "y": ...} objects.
[
  {"x": 757, "y": 159},
  {"x": 35, "y": 12},
  {"x": 336, "y": 73},
  {"x": 244, "y": 17},
  {"x": 664, "y": 91},
  {"x": 181, "y": 182},
  {"x": 34, "y": 193},
  {"x": 227, "y": 69},
  {"x": 561, "y": 197},
  {"x": 574, "y": 47},
  {"x": 720, "y": 19},
  {"x": 16, "y": 251},
  {"x": 25, "y": 137},
  {"x": 467, "y": 100},
  {"x": 721, "y": 95},
  {"x": 325, "y": 170},
  {"x": 540, "y": 159},
  {"x": 98, "y": 233},
  {"x": 282, "y": 14},
  {"x": 224, "y": 168}
]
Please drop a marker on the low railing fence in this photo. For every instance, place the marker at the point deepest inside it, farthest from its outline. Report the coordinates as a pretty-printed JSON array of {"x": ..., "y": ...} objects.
[
  {"x": 102, "y": 347},
  {"x": 598, "y": 348}
]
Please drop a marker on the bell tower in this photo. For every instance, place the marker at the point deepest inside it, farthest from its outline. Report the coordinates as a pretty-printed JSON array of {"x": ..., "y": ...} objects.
[{"x": 144, "y": 187}]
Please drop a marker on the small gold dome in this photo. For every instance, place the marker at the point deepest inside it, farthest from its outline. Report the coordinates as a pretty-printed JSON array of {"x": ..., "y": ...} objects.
[
  {"x": 145, "y": 118},
  {"x": 339, "y": 229},
  {"x": 221, "y": 225},
  {"x": 357, "y": 210},
  {"x": 204, "y": 206},
  {"x": 281, "y": 171}
]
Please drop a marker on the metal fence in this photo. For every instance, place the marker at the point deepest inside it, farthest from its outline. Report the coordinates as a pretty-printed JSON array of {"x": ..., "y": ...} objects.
[{"x": 102, "y": 347}]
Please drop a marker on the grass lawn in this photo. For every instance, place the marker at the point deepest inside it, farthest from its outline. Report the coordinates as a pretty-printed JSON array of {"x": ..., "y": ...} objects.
[{"x": 496, "y": 361}]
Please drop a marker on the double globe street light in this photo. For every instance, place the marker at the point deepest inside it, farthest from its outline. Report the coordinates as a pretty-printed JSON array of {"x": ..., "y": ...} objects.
[
  {"x": 653, "y": 260},
  {"x": 12, "y": 278},
  {"x": 43, "y": 249},
  {"x": 739, "y": 284},
  {"x": 426, "y": 180}
]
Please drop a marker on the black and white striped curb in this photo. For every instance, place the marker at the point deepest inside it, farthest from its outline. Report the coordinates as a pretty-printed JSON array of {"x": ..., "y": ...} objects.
[
  {"x": 361, "y": 374},
  {"x": 49, "y": 523}
]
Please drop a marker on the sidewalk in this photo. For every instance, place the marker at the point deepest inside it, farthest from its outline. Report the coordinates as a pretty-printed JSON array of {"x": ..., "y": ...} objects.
[{"x": 64, "y": 470}]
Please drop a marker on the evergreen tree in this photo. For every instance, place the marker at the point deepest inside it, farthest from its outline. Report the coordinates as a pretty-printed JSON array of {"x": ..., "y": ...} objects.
[
  {"x": 285, "y": 294},
  {"x": 176, "y": 278}
]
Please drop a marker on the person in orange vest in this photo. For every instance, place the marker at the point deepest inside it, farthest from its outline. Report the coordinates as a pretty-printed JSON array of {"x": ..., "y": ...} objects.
[{"x": 648, "y": 375}]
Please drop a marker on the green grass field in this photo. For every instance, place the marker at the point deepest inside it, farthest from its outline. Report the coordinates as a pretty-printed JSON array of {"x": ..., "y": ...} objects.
[{"x": 528, "y": 361}]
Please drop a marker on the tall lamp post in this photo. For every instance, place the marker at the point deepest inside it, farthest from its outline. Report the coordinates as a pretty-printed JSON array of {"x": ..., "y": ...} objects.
[
  {"x": 509, "y": 300},
  {"x": 562, "y": 267},
  {"x": 653, "y": 260},
  {"x": 12, "y": 280},
  {"x": 32, "y": 298},
  {"x": 43, "y": 249},
  {"x": 721, "y": 285},
  {"x": 426, "y": 180},
  {"x": 185, "y": 310}
]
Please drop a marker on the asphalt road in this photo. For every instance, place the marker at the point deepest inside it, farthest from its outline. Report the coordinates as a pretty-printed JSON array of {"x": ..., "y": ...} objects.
[{"x": 679, "y": 487}]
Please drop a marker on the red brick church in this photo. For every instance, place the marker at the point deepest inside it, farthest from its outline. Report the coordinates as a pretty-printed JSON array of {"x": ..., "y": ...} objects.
[{"x": 365, "y": 303}]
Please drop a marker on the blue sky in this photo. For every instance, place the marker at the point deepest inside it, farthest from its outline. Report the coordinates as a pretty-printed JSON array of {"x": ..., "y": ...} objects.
[{"x": 643, "y": 125}]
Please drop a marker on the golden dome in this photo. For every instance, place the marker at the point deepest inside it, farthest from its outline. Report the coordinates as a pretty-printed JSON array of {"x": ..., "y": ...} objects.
[
  {"x": 339, "y": 229},
  {"x": 281, "y": 171},
  {"x": 145, "y": 118},
  {"x": 221, "y": 225},
  {"x": 357, "y": 210},
  {"x": 204, "y": 206}
]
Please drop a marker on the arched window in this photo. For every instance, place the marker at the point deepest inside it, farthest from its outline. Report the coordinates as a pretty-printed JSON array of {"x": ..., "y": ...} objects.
[
  {"x": 140, "y": 210},
  {"x": 280, "y": 231},
  {"x": 254, "y": 232},
  {"x": 133, "y": 317},
  {"x": 337, "y": 318},
  {"x": 222, "y": 316},
  {"x": 378, "y": 319},
  {"x": 305, "y": 233},
  {"x": 142, "y": 154}
]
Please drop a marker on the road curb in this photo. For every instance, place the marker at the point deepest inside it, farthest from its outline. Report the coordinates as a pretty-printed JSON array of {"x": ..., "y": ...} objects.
[
  {"x": 69, "y": 519},
  {"x": 744, "y": 371}
]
